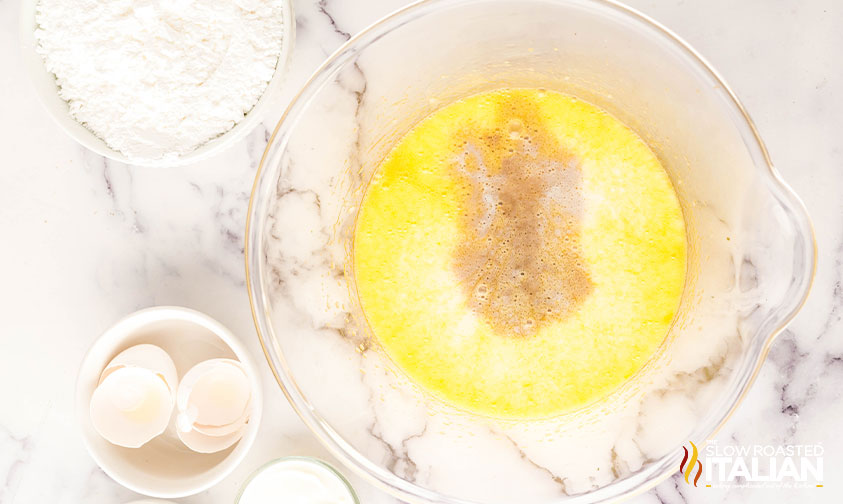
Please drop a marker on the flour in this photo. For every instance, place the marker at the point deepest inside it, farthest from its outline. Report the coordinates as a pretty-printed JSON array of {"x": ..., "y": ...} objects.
[{"x": 155, "y": 79}]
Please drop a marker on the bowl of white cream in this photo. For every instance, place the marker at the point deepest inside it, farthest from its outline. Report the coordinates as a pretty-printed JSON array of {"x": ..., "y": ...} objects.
[
  {"x": 303, "y": 480},
  {"x": 152, "y": 82}
]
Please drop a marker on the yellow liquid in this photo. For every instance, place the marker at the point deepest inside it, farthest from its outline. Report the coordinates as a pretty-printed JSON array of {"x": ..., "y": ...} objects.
[{"x": 520, "y": 253}]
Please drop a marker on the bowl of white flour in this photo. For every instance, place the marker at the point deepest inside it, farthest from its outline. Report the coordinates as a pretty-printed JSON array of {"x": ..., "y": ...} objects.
[{"x": 156, "y": 82}]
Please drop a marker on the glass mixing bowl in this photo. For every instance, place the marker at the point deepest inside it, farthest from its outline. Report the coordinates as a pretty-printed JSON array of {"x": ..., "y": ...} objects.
[{"x": 750, "y": 264}]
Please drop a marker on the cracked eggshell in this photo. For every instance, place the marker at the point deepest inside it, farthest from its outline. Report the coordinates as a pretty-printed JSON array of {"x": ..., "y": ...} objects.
[
  {"x": 131, "y": 406},
  {"x": 145, "y": 356},
  {"x": 214, "y": 398},
  {"x": 203, "y": 443}
]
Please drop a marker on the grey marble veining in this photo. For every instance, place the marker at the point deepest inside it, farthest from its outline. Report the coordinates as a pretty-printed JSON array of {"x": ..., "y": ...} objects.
[{"x": 86, "y": 241}]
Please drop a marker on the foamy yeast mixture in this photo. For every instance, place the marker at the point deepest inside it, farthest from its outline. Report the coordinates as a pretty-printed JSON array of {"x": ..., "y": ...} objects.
[{"x": 520, "y": 253}]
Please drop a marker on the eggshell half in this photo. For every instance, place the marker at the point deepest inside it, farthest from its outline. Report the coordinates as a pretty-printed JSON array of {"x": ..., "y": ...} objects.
[
  {"x": 146, "y": 356},
  {"x": 214, "y": 398},
  {"x": 203, "y": 443},
  {"x": 131, "y": 406}
]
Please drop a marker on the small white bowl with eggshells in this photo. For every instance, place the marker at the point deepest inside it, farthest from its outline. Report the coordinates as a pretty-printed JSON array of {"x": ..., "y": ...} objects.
[{"x": 169, "y": 402}]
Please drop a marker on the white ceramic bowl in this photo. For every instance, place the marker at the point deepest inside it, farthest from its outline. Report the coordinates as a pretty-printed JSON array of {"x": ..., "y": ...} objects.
[
  {"x": 45, "y": 87},
  {"x": 164, "y": 467}
]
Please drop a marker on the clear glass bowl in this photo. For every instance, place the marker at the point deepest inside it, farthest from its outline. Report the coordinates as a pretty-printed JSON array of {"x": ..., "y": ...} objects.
[{"x": 751, "y": 251}]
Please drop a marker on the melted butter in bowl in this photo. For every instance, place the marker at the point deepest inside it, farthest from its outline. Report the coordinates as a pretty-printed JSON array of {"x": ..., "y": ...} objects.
[{"x": 520, "y": 253}]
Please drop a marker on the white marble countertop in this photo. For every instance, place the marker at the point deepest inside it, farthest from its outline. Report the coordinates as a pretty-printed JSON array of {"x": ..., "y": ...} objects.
[{"x": 86, "y": 241}]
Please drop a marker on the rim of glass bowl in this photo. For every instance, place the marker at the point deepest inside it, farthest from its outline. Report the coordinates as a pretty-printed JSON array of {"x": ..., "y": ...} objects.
[{"x": 637, "y": 482}]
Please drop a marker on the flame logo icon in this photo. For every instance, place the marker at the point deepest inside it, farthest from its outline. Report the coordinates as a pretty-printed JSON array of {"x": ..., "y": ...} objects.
[{"x": 687, "y": 466}]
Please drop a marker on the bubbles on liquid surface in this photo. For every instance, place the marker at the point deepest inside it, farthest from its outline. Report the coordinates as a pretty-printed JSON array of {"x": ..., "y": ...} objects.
[{"x": 519, "y": 257}]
